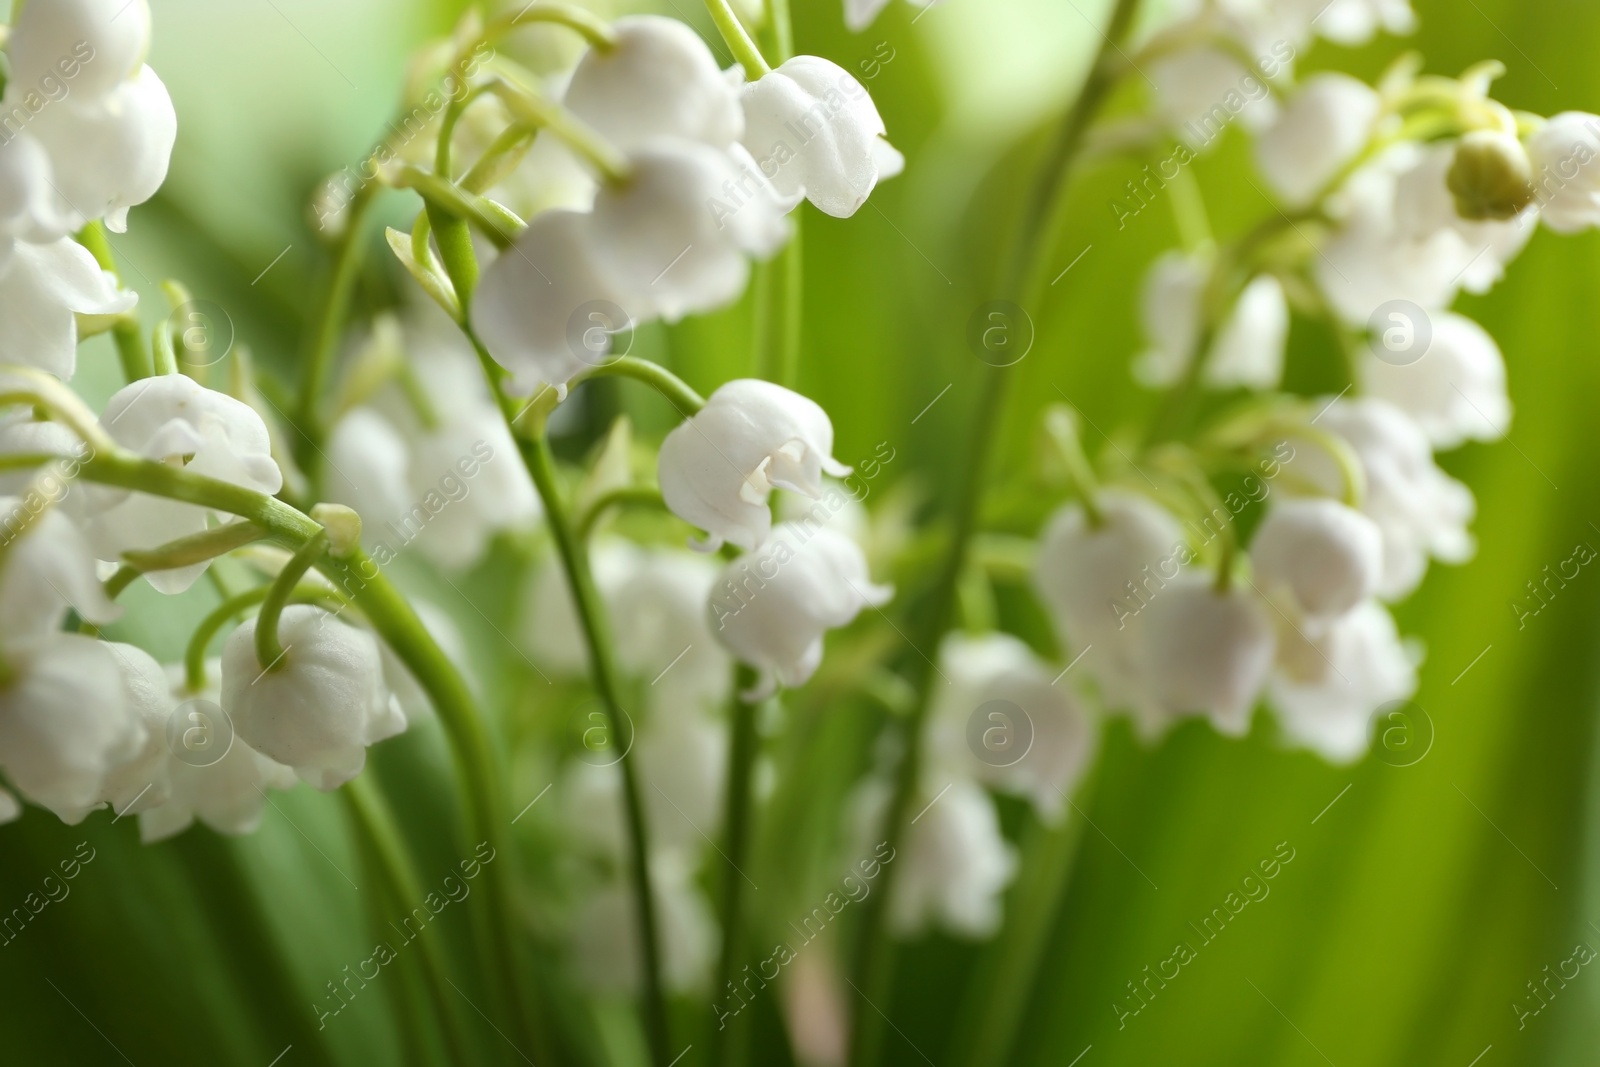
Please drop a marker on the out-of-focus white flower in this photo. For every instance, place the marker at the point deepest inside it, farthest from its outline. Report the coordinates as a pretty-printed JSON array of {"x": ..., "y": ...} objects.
[
  {"x": 1327, "y": 688},
  {"x": 816, "y": 1009},
  {"x": 773, "y": 606},
  {"x": 369, "y": 468},
  {"x": 1035, "y": 741},
  {"x": 1456, "y": 392},
  {"x": 1321, "y": 130},
  {"x": 1248, "y": 347},
  {"x": 43, "y": 287},
  {"x": 174, "y": 419},
  {"x": 228, "y": 793},
  {"x": 49, "y": 570},
  {"x": 103, "y": 41},
  {"x": 1208, "y": 652},
  {"x": 23, "y": 435},
  {"x": 531, "y": 307},
  {"x": 550, "y": 627},
  {"x": 319, "y": 709},
  {"x": 815, "y": 132},
  {"x": 65, "y": 722},
  {"x": 1355, "y": 22},
  {"x": 953, "y": 863},
  {"x": 1425, "y": 211},
  {"x": 141, "y": 783},
  {"x": 1421, "y": 511},
  {"x": 1202, "y": 91},
  {"x": 1565, "y": 153},
  {"x": 859, "y": 14},
  {"x": 676, "y": 236},
  {"x": 109, "y": 154},
  {"x": 1320, "y": 556},
  {"x": 1097, "y": 582},
  {"x": 718, "y": 468},
  {"x": 10, "y": 807},
  {"x": 469, "y": 479},
  {"x": 605, "y": 941},
  {"x": 659, "y": 80}
]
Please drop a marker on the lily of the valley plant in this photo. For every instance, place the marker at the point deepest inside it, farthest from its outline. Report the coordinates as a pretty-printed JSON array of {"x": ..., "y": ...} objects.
[{"x": 692, "y": 590}]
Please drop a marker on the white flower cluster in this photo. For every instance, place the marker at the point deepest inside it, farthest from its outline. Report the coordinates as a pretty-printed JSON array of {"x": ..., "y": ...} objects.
[
  {"x": 706, "y": 168},
  {"x": 86, "y": 130}
]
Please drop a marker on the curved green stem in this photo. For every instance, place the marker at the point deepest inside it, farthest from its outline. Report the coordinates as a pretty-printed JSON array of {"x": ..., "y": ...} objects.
[
  {"x": 875, "y": 952},
  {"x": 374, "y": 822},
  {"x": 643, "y": 496},
  {"x": 270, "y": 653},
  {"x": 127, "y": 335},
  {"x": 594, "y": 29},
  {"x": 738, "y": 38},
  {"x": 194, "y": 656},
  {"x": 497, "y": 223},
  {"x": 536, "y": 111},
  {"x": 728, "y": 1040},
  {"x": 677, "y": 392},
  {"x": 327, "y": 329},
  {"x": 455, "y": 248}
]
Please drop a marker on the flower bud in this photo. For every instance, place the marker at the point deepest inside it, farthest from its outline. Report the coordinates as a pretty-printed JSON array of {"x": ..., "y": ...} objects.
[
  {"x": 1208, "y": 652},
  {"x": 718, "y": 468},
  {"x": 1491, "y": 177},
  {"x": 317, "y": 710},
  {"x": 773, "y": 607},
  {"x": 1324, "y": 557}
]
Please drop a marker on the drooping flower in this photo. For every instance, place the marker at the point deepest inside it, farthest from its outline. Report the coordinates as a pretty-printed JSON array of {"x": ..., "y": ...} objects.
[
  {"x": 1420, "y": 510},
  {"x": 1327, "y": 687},
  {"x": 1208, "y": 652},
  {"x": 49, "y": 571},
  {"x": 1565, "y": 156},
  {"x": 65, "y": 722},
  {"x": 815, "y": 132},
  {"x": 1355, "y": 22},
  {"x": 718, "y": 468},
  {"x": 27, "y": 202},
  {"x": 320, "y": 708},
  {"x": 1322, "y": 557},
  {"x": 141, "y": 782},
  {"x": 773, "y": 606},
  {"x": 859, "y": 14},
  {"x": 1033, "y": 738},
  {"x": 102, "y": 42},
  {"x": 43, "y": 288},
  {"x": 675, "y": 238},
  {"x": 226, "y": 791},
  {"x": 1248, "y": 347},
  {"x": 658, "y": 80},
  {"x": 1456, "y": 391},
  {"x": 1322, "y": 129},
  {"x": 174, "y": 419},
  {"x": 23, "y": 435},
  {"x": 953, "y": 862},
  {"x": 544, "y": 309}
]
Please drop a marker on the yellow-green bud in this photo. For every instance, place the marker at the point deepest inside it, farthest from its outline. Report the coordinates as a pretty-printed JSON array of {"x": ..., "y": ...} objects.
[
  {"x": 1491, "y": 177},
  {"x": 343, "y": 526}
]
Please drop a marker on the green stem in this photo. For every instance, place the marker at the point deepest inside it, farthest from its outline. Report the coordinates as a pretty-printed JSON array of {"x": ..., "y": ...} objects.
[
  {"x": 738, "y": 38},
  {"x": 875, "y": 950},
  {"x": 374, "y": 822},
  {"x": 455, "y": 248},
  {"x": 270, "y": 653},
  {"x": 643, "y": 496},
  {"x": 728, "y": 1041},
  {"x": 127, "y": 335},
  {"x": 327, "y": 330},
  {"x": 495, "y": 222},
  {"x": 676, "y": 391},
  {"x": 531, "y": 110},
  {"x": 782, "y": 29},
  {"x": 194, "y": 657},
  {"x": 594, "y": 29}
]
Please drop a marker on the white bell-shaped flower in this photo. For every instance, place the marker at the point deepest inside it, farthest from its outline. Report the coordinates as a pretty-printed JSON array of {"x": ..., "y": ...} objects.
[
  {"x": 141, "y": 783},
  {"x": 1097, "y": 582},
  {"x": 174, "y": 419},
  {"x": 815, "y": 132},
  {"x": 551, "y": 631},
  {"x": 1204, "y": 91},
  {"x": 22, "y": 435},
  {"x": 109, "y": 154},
  {"x": 227, "y": 792},
  {"x": 659, "y": 80},
  {"x": 1420, "y": 510},
  {"x": 1565, "y": 153},
  {"x": 859, "y": 14},
  {"x": 1320, "y": 131},
  {"x": 320, "y": 708},
  {"x": 102, "y": 43},
  {"x": 675, "y": 237},
  {"x": 1003, "y": 721},
  {"x": 605, "y": 940},
  {"x": 1319, "y": 556},
  {"x": 1456, "y": 391},
  {"x": 65, "y": 722},
  {"x": 1355, "y": 22},
  {"x": 773, "y": 606},
  {"x": 718, "y": 468},
  {"x": 1425, "y": 210},
  {"x": 1248, "y": 348},
  {"x": 1327, "y": 688},
  {"x": 49, "y": 570},
  {"x": 1208, "y": 652},
  {"x": 43, "y": 288},
  {"x": 545, "y": 311},
  {"x": 27, "y": 200},
  {"x": 952, "y": 865},
  {"x": 466, "y": 510},
  {"x": 369, "y": 469}
]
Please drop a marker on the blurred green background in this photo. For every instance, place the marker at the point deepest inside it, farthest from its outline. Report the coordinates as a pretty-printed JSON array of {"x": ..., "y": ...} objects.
[{"x": 1418, "y": 905}]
